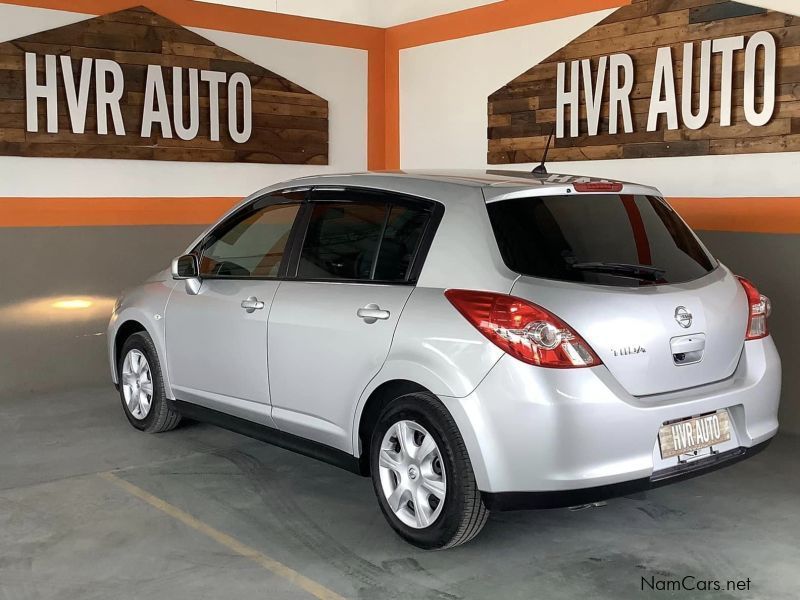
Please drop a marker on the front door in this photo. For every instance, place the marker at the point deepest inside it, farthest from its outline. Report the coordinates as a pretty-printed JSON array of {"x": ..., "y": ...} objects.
[
  {"x": 217, "y": 339},
  {"x": 331, "y": 326}
]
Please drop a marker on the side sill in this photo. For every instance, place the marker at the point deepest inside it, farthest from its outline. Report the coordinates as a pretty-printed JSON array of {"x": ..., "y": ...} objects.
[
  {"x": 322, "y": 452},
  {"x": 507, "y": 501}
]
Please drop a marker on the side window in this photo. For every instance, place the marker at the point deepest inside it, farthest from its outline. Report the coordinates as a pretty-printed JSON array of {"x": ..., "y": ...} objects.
[
  {"x": 342, "y": 241},
  {"x": 404, "y": 230},
  {"x": 252, "y": 245},
  {"x": 362, "y": 241}
]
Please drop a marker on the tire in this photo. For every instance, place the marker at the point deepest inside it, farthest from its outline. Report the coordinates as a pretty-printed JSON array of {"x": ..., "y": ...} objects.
[
  {"x": 159, "y": 415},
  {"x": 462, "y": 513}
]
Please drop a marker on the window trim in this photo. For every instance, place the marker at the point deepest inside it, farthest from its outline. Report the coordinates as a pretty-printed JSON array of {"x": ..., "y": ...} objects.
[
  {"x": 287, "y": 271},
  {"x": 357, "y": 194},
  {"x": 276, "y": 198}
]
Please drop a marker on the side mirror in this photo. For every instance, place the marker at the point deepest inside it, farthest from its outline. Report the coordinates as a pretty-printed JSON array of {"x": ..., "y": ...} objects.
[{"x": 185, "y": 267}]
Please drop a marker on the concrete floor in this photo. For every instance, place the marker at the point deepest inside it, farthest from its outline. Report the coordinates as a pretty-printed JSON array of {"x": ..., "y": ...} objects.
[{"x": 207, "y": 497}]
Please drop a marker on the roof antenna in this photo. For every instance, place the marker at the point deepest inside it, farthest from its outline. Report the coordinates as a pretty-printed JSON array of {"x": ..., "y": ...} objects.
[{"x": 542, "y": 169}]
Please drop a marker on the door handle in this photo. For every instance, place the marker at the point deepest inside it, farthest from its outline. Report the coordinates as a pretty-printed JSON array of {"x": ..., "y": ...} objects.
[
  {"x": 372, "y": 312},
  {"x": 252, "y": 304}
]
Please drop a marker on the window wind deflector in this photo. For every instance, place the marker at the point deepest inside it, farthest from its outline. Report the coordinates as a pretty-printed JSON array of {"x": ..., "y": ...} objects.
[{"x": 641, "y": 272}]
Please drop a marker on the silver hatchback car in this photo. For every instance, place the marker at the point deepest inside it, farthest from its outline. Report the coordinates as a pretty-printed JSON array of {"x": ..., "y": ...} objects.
[{"x": 473, "y": 341}]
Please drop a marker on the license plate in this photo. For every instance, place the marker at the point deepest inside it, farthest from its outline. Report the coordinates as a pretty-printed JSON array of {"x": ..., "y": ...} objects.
[{"x": 695, "y": 433}]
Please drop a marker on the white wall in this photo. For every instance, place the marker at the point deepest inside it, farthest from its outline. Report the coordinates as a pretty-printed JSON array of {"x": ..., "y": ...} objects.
[
  {"x": 443, "y": 115},
  {"x": 444, "y": 88},
  {"x": 337, "y": 74},
  {"x": 787, "y": 6}
]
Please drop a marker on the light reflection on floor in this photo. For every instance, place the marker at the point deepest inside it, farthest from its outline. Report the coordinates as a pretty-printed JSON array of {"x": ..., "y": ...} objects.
[{"x": 56, "y": 309}]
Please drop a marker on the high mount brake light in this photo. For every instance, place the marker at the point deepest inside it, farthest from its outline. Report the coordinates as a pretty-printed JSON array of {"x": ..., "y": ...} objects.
[
  {"x": 598, "y": 186},
  {"x": 760, "y": 308},
  {"x": 525, "y": 331}
]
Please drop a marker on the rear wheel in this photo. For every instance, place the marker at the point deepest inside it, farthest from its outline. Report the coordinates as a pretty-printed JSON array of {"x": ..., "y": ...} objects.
[
  {"x": 141, "y": 386},
  {"x": 422, "y": 474}
]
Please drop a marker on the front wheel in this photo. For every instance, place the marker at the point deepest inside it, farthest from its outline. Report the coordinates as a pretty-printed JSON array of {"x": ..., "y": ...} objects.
[
  {"x": 141, "y": 386},
  {"x": 422, "y": 474}
]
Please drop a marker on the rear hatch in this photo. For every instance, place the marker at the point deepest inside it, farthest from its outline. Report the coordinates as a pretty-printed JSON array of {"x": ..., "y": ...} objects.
[{"x": 627, "y": 274}]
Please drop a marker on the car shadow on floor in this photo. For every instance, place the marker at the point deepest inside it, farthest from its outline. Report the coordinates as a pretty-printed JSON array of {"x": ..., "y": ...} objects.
[
  {"x": 328, "y": 521},
  {"x": 325, "y": 523}
]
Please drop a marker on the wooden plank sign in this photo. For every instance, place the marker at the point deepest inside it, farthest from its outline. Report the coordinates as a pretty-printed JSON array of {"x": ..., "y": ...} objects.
[
  {"x": 135, "y": 85},
  {"x": 658, "y": 78}
]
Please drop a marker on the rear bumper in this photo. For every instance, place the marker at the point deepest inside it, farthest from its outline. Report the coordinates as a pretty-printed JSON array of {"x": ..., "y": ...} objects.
[
  {"x": 505, "y": 501},
  {"x": 550, "y": 431}
]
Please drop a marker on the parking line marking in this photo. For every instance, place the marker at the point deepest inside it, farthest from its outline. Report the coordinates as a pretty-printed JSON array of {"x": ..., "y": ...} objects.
[{"x": 270, "y": 564}]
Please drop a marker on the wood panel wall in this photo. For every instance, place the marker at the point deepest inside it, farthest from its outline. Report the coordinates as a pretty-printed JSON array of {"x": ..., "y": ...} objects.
[
  {"x": 290, "y": 124},
  {"x": 523, "y": 113}
]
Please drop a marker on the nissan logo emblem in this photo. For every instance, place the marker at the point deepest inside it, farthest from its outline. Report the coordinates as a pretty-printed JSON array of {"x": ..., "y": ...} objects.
[{"x": 683, "y": 317}]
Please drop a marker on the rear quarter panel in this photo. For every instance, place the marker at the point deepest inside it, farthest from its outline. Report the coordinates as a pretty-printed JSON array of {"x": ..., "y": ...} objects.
[
  {"x": 464, "y": 252},
  {"x": 434, "y": 347}
]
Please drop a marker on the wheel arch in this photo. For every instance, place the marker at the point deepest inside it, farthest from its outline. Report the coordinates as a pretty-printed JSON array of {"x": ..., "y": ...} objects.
[
  {"x": 403, "y": 377},
  {"x": 127, "y": 325},
  {"x": 124, "y": 331},
  {"x": 377, "y": 400}
]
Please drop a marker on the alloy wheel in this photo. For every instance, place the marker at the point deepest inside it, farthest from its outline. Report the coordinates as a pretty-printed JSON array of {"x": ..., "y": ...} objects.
[
  {"x": 137, "y": 384},
  {"x": 412, "y": 474}
]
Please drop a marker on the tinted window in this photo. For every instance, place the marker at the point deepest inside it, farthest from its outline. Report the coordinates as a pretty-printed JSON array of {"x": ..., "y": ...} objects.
[
  {"x": 404, "y": 230},
  {"x": 251, "y": 245},
  {"x": 342, "y": 241},
  {"x": 584, "y": 238}
]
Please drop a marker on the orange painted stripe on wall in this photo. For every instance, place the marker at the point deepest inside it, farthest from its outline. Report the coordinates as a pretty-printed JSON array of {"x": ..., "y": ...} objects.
[
  {"x": 376, "y": 107},
  {"x": 752, "y": 215},
  {"x": 391, "y": 115},
  {"x": 94, "y": 212}
]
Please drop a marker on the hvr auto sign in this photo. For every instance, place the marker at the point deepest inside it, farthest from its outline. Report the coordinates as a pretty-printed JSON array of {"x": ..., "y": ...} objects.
[
  {"x": 760, "y": 54},
  {"x": 109, "y": 89}
]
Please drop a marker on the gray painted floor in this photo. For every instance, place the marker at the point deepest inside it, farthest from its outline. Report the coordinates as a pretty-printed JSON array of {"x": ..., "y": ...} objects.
[{"x": 66, "y": 531}]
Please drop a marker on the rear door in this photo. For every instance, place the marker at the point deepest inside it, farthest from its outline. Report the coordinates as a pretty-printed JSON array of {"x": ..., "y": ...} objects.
[
  {"x": 632, "y": 279},
  {"x": 332, "y": 320}
]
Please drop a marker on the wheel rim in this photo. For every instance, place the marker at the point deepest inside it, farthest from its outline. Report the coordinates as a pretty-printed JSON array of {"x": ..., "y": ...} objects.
[
  {"x": 412, "y": 474},
  {"x": 137, "y": 384}
]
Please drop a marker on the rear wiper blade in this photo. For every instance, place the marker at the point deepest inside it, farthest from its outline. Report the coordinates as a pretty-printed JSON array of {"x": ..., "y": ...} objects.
[{"x": 643, "y": 272}]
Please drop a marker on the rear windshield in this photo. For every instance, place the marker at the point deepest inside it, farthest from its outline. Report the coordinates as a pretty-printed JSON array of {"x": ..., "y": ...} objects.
[{"x": 605, "y": 239}]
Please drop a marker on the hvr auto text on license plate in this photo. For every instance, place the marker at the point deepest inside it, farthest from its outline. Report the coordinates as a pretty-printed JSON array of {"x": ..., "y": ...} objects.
[{"x": 695, "y": 433}]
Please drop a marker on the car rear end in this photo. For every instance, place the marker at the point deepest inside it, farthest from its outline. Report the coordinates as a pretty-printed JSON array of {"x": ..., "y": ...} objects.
[{"x": 631, "y": 356}]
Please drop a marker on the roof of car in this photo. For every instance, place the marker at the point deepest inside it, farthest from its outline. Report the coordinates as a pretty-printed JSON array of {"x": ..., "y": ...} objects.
[
  {"x": 492, "y": 178},
  {"x": 444, "y": 185},
  {"x": 471, "y": 177}
]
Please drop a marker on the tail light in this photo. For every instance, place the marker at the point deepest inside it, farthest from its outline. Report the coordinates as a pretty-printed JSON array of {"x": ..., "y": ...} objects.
[
  {"x": 760, "y": 309},
  {"x": 523, "y": 330}
]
